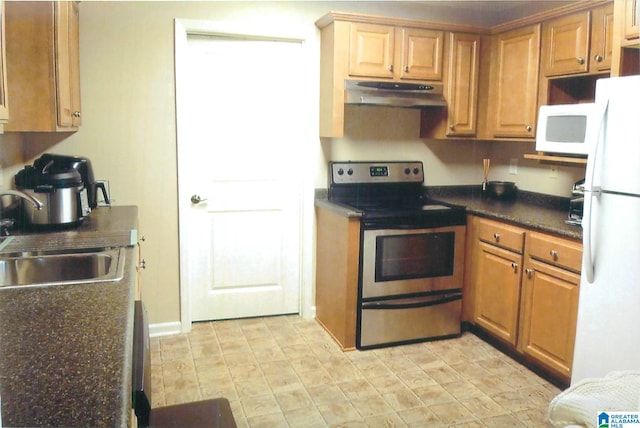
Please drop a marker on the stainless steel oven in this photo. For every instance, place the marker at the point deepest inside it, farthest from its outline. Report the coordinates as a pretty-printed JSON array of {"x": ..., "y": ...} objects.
[
  {"x": 411, "y": 253},
  {"x": 411, "y": 285},
  {"x": 407, "y": 261}
]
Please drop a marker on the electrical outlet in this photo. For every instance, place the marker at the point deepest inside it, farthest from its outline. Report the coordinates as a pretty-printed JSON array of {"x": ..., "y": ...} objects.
[
  {"x": 513, "y": 166},
  {"x": 553, "y": 172}
]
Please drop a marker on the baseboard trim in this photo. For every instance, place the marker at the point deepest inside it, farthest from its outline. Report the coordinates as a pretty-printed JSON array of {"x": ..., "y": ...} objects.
[{"x": 165, "y": 329}]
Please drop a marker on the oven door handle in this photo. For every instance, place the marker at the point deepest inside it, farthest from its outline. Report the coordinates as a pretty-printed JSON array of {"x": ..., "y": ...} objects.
[
  {"x": 417, "y": 303},
  {"x": 394, "y": 226}
]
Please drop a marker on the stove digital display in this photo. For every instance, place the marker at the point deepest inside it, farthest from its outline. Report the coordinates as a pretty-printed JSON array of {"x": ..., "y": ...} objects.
[{"x": 379, "y": 171}]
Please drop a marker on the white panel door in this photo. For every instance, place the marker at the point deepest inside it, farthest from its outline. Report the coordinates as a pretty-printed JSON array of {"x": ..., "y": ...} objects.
[{"x": 239, "y": 157}]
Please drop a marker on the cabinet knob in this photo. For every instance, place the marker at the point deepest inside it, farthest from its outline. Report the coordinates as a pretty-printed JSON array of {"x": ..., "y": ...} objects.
[
  {"x": 391, "y": 67},
  {"x": 452, "y": 127},
  {"x": 528, "y": 128},
  {"x": 580, "y": 60},
  {"x": 528, "y": 272},
  {"x": 515, "y": 267},
  {"x": 598, "y": 58},
  {"x": 143, "y": 264},
  {"x": 406, "y": 68},
  {"x": 554, "y": 254},
  {"x": 76, "y": 114},
  {"x": 496, "y": 236}
]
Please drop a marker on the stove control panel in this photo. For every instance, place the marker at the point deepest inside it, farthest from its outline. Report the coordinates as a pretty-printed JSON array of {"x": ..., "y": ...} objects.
[{"x": 376, "y": 172}]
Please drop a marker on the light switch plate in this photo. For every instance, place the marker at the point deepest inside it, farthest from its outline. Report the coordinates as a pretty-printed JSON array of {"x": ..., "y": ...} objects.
[{"x": 513, "y": 166}]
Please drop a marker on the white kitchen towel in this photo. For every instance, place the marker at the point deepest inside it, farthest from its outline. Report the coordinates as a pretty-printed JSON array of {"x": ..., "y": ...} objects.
[{"x": 580, "y": 404}]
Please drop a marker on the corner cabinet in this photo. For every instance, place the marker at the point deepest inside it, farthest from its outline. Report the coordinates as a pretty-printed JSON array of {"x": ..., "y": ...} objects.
[
  {"x": 513, "y": 103},
  {"x": 43, "y": 66},
  {"x": 525, "y": 285}
]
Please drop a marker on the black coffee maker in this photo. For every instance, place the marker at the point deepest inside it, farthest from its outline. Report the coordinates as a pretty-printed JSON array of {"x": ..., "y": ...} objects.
[
  {"x": 83, "y": 166},
  {"x": 576, "y": 204}
]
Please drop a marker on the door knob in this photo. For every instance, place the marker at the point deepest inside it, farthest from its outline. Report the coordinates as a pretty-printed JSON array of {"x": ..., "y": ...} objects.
[{"x": 196, "y": 199}]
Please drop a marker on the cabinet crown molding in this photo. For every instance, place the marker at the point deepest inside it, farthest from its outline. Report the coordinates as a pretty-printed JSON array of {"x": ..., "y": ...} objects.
[
  {"x": 332, "y": 16},
  {"x": 579, "y": 6}
]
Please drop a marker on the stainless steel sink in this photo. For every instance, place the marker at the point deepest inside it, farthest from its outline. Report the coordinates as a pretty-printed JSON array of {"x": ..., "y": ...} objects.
[{"x": 43, "y": 269}]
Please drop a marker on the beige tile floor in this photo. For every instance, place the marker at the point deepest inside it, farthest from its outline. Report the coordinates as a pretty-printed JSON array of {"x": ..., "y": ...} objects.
[{"x": 286, "y": 371}]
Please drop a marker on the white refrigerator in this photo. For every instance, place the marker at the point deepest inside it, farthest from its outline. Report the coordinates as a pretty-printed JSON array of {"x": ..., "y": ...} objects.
[{"x": 608, "y": 330}]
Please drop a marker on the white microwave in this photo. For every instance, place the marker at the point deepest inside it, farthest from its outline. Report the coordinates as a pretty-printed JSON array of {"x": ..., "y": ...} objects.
[{"x": 568, "y": 129}]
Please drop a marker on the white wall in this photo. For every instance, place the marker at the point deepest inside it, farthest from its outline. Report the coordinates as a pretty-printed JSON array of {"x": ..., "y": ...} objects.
[{"x": 129, "y": 127}]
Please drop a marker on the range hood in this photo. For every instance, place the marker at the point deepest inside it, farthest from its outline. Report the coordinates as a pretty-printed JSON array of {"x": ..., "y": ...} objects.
[{"x": 393, "y": 94}]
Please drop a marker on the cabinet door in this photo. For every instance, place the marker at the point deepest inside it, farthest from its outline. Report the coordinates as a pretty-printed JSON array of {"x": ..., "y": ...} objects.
[
  {"x": 371, "y": 50},
  {"x": 421, "y": 52},
  {"x": 549, "y": 314},
  {"x": 566, "y": 42},
  {"x": 631, "y": 18},
  {"x": 601, "y": 39},
  {"x": 462, "y": 85},
  {"x": 498, "y": 291},
  {"x": 515, "y": 78},
  {"x": 67, "y": 63}
]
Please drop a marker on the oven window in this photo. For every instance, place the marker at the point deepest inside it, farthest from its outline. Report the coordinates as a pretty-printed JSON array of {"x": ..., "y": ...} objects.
[{"x": 410, "y": 256}]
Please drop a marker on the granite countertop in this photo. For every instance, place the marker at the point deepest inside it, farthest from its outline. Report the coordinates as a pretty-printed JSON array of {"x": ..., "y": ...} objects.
[
  {"x": 531, "y": 210},
  {"x": 65, "y": 350}
]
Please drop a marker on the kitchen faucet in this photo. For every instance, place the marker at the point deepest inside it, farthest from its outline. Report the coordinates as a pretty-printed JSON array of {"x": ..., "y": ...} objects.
[{"x": 7, "y": 223}]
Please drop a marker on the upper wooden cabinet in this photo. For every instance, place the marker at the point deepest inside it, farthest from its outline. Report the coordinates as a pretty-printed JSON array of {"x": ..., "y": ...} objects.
[
  {"x": 626, "y": 39},
  {"x": 462, "y": 84},
  {"x": 4, "y": 104},
  {"x": 43, "y": 67},
  {"x": 631, "y": 17},
  {"x": 578, "y": 43},
  {"x": 601, "y": 50},
  {"x": 371, "y": 51},
  {"x": 395, "y": 53},
  {"x": 461, "y": 72},
  {"x": 513, "y": 100},
  {"x": 370, "y": 47}
]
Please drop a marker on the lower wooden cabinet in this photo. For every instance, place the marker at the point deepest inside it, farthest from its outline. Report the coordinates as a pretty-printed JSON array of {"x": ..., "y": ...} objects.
[
  {"x": 549, "y": 313},
  {"x": 498, "y": 291},
  {"x": 525, "y": 286},
  {"x": 337, "y": 249}
]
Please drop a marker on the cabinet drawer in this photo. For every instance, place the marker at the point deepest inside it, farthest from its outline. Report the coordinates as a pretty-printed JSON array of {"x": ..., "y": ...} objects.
[
  {"x": 501, "y": 234},
  {"x": 556, "y": 251}
]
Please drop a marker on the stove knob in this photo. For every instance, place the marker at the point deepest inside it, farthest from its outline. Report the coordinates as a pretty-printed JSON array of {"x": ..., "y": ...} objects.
[
  {"x": 341, "y": 171},
  {"x": 350, "y": 171},
  {"x": 416, "y": 170},
  {"x": 407, "y": 171}
]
